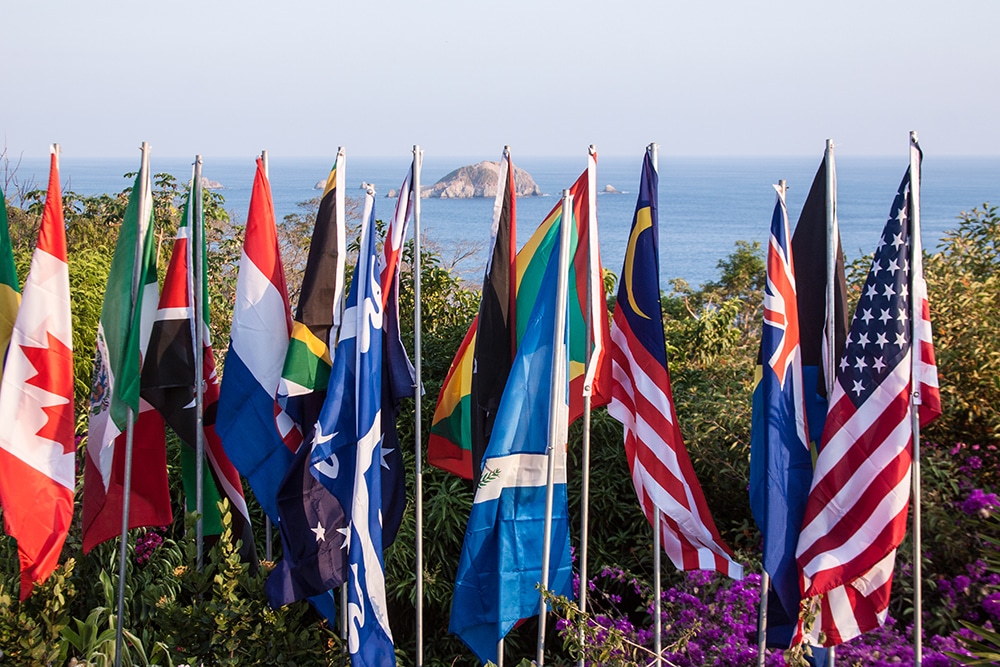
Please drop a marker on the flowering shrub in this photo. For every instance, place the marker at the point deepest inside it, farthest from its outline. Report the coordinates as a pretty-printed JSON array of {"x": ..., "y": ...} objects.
[{"x": 708, "y": 619}]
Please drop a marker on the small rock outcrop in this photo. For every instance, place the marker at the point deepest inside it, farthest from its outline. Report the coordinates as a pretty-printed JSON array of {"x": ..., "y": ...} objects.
[
  {"x": 611, "y": 190},
  {"x": 211, "y": 185},
  {"x": 479, "y": 180}
]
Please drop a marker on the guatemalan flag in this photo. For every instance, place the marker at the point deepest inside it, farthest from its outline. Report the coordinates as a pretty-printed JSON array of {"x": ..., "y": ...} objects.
[
  {"x": 347, "y": 450},
  {"x": 501, "y": 561},
  {"x": 254, "y": 429}
]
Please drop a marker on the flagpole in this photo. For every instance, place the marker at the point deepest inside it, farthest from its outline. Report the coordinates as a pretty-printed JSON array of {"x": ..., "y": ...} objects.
[
  {"x": 268, "y": 549},
  {"x": 144, "y": 202},
  {"x": 418, "y": 157},
  {"x": 832, "y": 236},
  {"x": 195, "y": 273},
  {"x": 654, "y": 154},
  {"x": 587, "y": 392},
  {"x": 555, "y": 414},
  {"x": 338, "y": 314},
  {"x": 765, "y": 578},
  {"x": 916, "y": 269}
]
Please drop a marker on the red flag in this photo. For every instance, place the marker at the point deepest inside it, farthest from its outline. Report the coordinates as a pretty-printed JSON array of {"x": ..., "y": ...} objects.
[{"x": 37, "y": 446}]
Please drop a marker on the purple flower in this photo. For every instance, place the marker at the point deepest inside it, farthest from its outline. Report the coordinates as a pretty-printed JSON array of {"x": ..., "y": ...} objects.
[{"x": 980, "y": 503}]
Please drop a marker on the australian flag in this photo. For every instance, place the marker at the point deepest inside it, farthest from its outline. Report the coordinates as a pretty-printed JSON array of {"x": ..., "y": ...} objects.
[{"x": 780, "y": 460}]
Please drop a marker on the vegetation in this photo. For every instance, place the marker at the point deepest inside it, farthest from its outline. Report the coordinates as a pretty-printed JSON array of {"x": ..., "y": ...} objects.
[{"x": 219, "y": 616}]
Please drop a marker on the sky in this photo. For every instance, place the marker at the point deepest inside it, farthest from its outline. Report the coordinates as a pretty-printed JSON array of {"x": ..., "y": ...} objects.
[{"x": 299, "y": 78}]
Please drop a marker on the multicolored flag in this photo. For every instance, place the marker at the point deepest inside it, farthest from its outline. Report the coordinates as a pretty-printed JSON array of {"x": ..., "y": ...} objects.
[
  {"x": 123, "y": 331},
  {"x": 168, "y": 381},
  {"x": 780, "y": 484},
  {"x": 253, "y": 427},
  {"x": 317, "y": 320},
  {"x": 450, "y": 441},
  {"x": 37, "y": 445},
  {"x": 347, "y": 451},
  {"x": 501, "y": 561},
  {"x": 856, "y": 514},
  {"x": 315, "y": 500},
  {"x": 496, "y": 332},
  {"x": 642, "y": 400},
  {"x": 10, "y": 293}
]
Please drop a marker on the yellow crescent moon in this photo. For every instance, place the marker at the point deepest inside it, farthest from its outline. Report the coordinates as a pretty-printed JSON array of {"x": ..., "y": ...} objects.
[{"x": 643, "y": 221}]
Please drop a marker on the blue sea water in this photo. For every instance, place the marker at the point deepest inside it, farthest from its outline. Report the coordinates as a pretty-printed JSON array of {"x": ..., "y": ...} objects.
[{"x": 706, "y": 204}]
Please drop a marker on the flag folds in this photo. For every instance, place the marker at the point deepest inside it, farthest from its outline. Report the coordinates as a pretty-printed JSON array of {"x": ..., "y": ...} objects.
[
  {"x": 253, "y": 427},
  {"x": 318, "y": 495},
  {"x": 123, "y": 331},
  {"x": 37, "y": 445},
  {"x": 496, "y": 340},
  {"x": 642, "y": 400},
  {"x": 347, "y": 450},
  {"x": 501, "y": 560},
  {"x": 856, "y": 512},
  {"x": 780, "y": 483},
  {"x": 168, "y": 380},
  {"x": 306, "y": 369},
  {"x": 450, "y": 441},
  {"x": 780, "y": 459}
]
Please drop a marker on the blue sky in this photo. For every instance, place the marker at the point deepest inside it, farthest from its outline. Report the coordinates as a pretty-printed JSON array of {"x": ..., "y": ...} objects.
[{"x": 301, "y": 77}]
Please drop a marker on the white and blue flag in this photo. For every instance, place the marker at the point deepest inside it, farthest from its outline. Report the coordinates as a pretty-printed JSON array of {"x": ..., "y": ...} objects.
[
  {"x": 347, "y": 454},
  {"x": 501, "y": 561}
]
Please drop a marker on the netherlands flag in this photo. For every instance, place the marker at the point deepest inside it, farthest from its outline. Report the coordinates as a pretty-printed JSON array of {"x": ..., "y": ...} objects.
[{"x": 259, "y": 438}]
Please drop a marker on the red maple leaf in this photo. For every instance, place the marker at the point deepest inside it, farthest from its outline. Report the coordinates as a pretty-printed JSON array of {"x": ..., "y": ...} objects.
[{"x": 55, "y": 376}]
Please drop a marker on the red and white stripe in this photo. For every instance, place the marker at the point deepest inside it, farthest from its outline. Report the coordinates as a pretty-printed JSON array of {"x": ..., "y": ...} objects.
[{"x": 661, "y": 469}]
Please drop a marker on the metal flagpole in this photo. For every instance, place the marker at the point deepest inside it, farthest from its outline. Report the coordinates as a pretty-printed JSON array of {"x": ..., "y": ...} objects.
[
  {"x": 340, "y": 199},
  {"x": 588, "y": 387},
  {"x": 268, "y": 548},
  {"x": 832, "y": 236},
  {"x": 916, "y": 269},
  {"x": 418, "y": 157},
  {"x": 654, "y": 152},
  {"x": 145, "y": 203},
  {"x": 556, "y": 429},
  {"x": 765, "y": 585},
  {"x": 195, "y": 236}
]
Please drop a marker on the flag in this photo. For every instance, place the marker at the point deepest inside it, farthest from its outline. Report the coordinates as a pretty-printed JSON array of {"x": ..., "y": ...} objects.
[
  {"x": 398, "y": 374},
  {"x": 856, "y": 512},
  {"x": 127, "y": 315},
  {"x": 501, "y": 560},
  {"x": 315, "y": 500},
  {"x": 37, "y": 446},
  {"x": 642, "y": 400},
  {"x": 496, "y": 340},
  {"x": 780, "y": 480},
  {"x": 347, "y": 453},
  {"x": 253, "y": 427},
  {"x": 168, "y": 381},
  {"x": 306, "y": 370},
  {"x": 450, "y": 441},
  {"x": 10, "y": 293}
]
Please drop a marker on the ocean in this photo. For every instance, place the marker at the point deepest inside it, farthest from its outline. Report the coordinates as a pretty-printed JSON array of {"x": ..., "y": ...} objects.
[{"x": 706, "y": 204}]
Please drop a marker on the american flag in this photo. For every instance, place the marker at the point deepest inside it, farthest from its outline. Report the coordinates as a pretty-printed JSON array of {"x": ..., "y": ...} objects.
[
  {"x": 857, "y": 508},
  {"x": 642, "y": 401}
]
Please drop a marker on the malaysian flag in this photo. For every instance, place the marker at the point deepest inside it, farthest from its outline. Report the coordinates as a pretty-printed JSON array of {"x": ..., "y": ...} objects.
[
  {"x": 641, "y": 399},
  {"x": 856, "y": 513}
]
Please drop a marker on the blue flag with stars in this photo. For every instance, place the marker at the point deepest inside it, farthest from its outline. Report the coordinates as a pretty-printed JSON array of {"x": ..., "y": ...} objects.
[{"x": 347, "y": 453}]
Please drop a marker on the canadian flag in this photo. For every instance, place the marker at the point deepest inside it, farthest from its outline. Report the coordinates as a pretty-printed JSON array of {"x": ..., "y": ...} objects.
[{"x": 37, "y": 446}]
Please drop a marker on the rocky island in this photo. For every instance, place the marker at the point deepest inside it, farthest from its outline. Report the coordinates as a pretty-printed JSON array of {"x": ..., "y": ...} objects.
[{"x": 479, "y": 180}]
